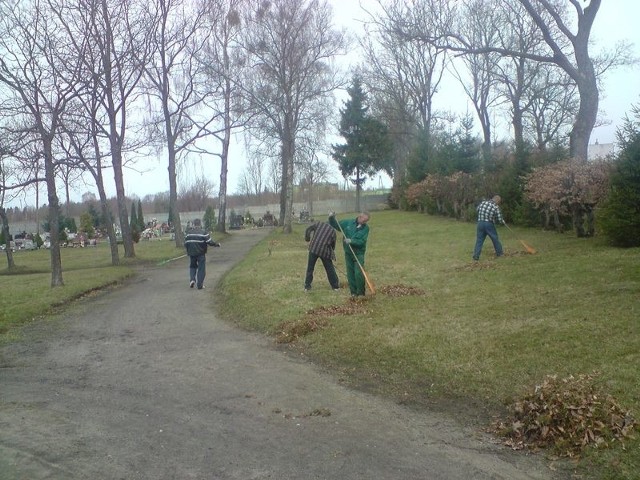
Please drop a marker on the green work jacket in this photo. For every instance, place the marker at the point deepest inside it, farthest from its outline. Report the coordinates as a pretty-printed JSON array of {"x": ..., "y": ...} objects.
[{"x": 357, "y": 233}]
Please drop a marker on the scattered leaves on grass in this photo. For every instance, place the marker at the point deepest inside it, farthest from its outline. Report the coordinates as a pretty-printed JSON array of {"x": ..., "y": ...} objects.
[
  {"x": 352, "y": 307},
  {"x": 290, "y": 331},
  {"x": 473, "y": 266},
  {"x": 315, "y": 319},
  {"x": 401, "y": 290},
  {"x": 489, "y": 262},
  {"x": 566, "y": 416}
]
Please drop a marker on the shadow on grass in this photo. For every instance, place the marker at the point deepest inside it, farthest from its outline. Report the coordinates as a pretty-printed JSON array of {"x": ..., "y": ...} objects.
[{"x": 22, "y": 270}]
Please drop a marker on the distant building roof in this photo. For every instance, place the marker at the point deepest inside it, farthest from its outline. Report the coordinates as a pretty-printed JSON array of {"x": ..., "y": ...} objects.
[{"x": 600, "y": 150}]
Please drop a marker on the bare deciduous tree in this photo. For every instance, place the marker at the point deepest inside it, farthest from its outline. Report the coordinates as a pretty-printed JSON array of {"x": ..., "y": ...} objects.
[
  {"x": 292, "y": 45},
  {"x": 195, "y": 197},
  {"x": 225, "y": 62},
  {"x": 312, "y": 170},
  {"x": 84, "y": 140},
  {"x": 480, "y": 22},
  {"x": 403, "y": 78},
  {"x": 566, "y": 34},
  {"x": 252, "y": 180},
  {"x": 177, "y": 82},
  {"x": 36, "y": 66},
  {"x": 120, "y": 32}
]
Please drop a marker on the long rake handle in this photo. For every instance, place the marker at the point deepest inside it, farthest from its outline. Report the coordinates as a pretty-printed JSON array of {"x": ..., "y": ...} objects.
[
  {"x": 364, "y": 273},
  {"x": 526, "y": 246}
]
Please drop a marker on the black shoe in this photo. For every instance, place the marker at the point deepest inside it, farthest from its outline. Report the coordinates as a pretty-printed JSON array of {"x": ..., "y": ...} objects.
[{"x": 192, "y": 284}]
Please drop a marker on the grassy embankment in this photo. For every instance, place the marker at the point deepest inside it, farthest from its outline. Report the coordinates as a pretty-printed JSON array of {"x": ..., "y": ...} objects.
[
  {"x": 26, "y": 292},
  {"x": 473, "y": 338},
  {"x": 479, "y": 335}
]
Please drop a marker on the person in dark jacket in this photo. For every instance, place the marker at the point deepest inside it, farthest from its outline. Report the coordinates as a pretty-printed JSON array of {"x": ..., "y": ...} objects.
[
  {"x": 196, "y": 243},
  {"x": 322, "y": 247},
  {"x": 488, "y": 215},
  {"x": 356, "y": 233}
]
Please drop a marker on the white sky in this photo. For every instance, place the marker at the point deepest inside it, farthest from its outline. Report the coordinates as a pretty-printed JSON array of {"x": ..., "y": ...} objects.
[{"x": 616, "y": 20}]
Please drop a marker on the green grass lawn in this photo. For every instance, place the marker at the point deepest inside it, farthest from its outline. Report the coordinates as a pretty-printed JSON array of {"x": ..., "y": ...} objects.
[
  {"x": 479, "y": 335},
  {"x": 467, "y": 337},
  {"x": 26, "y": 293}
]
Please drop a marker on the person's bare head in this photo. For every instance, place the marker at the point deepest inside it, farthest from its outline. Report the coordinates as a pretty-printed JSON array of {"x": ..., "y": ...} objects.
[
  {"x": 363, "y": 218},
  {"x": 497, "y": 199}
]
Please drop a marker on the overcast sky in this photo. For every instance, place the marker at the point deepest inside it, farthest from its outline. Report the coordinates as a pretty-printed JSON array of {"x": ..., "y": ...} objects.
[{"x": 616, "y": 20}]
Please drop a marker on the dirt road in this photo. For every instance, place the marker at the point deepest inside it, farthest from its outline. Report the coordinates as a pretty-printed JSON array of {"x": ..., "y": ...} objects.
[{"x": 144, "y": 382}]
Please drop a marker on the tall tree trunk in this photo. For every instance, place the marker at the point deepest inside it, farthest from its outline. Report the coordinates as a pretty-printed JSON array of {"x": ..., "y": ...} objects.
[
  {"x": 104, "y": 202},
  {"x": 11, "y": 265},
  {"x": 54, "y": 214},
  {"x": 37, "y": 200},
  {"x": 67, "y": 194},
  {"x": 288, "y": 154},
  {"x": 577, "y": 214},
  {"x": 224, "y": 163},
  {"x": 587, "y": 115},
  {"x": 111, "y": 233},
  {"x": 106, "y": 214},
  {"x": 115, "y": 140},
  {"x": 123, "y": 216},
  {"x": 582, "y": 72},
  {"x": 485, "y": 123},
  {"x": 174, "y": 212},
  {"x": 283, "y": 187}
]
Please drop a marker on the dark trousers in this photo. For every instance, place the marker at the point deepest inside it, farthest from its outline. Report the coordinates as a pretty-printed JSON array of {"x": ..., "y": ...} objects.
[
  {"x": 198, "y": 269},
  {"x": 328, "y": 267}
]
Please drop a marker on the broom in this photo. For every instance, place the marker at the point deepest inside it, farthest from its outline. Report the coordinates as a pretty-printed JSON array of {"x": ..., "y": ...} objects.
[
  {"x": 526, "y": 246},
  {"x": 364, "y": 273}
]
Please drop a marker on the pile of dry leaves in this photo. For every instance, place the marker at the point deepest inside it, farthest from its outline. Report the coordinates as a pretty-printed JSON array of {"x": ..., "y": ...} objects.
[
  {"x": 566, "y": 415},
  {"x": 315, "y": 319},
  {"x": 290, "y": 331}
]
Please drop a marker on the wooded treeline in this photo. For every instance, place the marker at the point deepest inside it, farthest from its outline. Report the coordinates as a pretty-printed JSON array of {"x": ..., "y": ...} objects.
[{"x": 89, "y": 87}]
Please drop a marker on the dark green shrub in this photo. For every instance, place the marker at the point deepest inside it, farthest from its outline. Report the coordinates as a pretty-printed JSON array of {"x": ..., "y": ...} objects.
[
  {"x": 619, "y": 217},
  {"x": 209, "y": 219}
]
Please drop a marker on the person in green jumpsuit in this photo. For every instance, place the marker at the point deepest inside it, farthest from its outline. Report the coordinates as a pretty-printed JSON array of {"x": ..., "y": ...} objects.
[{"x": 356, "y": 233}]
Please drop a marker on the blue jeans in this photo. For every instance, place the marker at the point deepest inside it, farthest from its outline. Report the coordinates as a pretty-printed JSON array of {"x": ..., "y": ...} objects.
[
  {"x": 483, "y": 230},
  {"x": 198, "y": 269}
]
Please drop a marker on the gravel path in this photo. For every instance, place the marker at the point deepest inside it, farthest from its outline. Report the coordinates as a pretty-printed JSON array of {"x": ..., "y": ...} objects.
[{"x": 144, "y": 382}]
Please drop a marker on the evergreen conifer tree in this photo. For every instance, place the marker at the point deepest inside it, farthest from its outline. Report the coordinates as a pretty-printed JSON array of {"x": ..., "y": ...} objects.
[
  {"x": 368, "y": 147},
  {"x": 133, "y": 224},
  {"x": 619, "y": 216},
  {"x": 141, "y": 223},
  {"x": 209, "y": 219}
]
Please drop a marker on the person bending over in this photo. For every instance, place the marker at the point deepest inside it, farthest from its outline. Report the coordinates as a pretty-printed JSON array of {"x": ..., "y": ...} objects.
[
  {"x": 356, "y": 233},
  {"x": 488, "y": 215},
  {"x": 322, "y": 246}
]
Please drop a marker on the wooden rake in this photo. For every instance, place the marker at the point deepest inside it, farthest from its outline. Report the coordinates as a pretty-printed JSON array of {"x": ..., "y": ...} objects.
[{"x": 526, "y": 246}]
